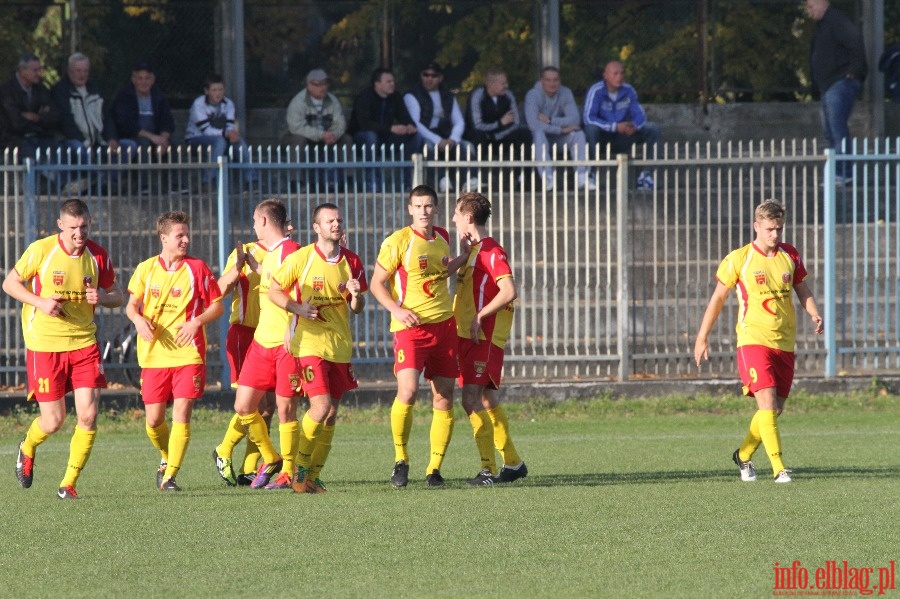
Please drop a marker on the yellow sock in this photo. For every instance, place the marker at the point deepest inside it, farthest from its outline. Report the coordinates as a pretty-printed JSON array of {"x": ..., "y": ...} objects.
[
  {"x": 251, "y": 457},
  {"x": 320, "y": 453},
  {"x": 289, "y": 435},
  {"x": 768, "y": 431},
  {"x": 309, "y": 432},
  {"x": 484, "y": 439},
  {"x": 235, "y": 433},
  {"x": 502, "y": 441},
  {"x": 441, "y": 431},
  {"x": 751, "y": 441},
  {"x": 401, "y": 424},
  {"x": 34, "y": 437},
  {"x": 159, "y": 436},
  {"x": 79, "y": 452},
  {"x": 178, "y": 444},
  {"x": 258, "y": 432}
]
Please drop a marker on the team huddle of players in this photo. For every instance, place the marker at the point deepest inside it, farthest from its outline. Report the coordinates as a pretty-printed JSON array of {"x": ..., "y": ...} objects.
[{"x": 290, "y": 336}]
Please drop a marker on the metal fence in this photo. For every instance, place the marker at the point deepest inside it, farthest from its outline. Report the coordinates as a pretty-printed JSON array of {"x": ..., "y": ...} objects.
[{"x": 613, "y": 280}]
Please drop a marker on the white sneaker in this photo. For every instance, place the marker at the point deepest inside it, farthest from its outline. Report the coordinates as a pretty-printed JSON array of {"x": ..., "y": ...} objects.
[
  {"x": 748, "y": 472},
  {"x": 444, "y": 184},
  {"x": 473, "y": 184},
  {"x": 783, "y": 477},
  {"x": 585, "y": 182}
]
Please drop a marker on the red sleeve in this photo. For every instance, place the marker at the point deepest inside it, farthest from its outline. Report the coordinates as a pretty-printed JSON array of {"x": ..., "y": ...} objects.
[
  {"x": 358, "y": 271},
  {"x": 106, "y": 273}
]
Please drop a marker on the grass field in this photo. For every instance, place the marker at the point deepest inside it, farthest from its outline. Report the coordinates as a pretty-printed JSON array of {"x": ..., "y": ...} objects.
[{"x": 624, "y": 499}]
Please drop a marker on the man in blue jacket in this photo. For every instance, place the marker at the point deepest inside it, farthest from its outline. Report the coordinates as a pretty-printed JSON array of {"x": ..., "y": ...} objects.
[
  {"x": 613, "y": 115},
  {"x": 142, "y": 116}
]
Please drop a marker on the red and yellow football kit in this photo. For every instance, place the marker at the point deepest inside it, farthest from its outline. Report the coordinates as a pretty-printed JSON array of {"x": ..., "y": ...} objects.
[
  {"x": 418, "y": 269},
  {"x": 171, "y": 298},
  {"x": 49, "y": 271}
]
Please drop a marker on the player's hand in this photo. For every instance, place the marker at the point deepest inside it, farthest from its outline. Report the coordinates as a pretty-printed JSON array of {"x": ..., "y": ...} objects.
[
  {"x": 186, "y": 332},
  {"x": 465, "y": 242},
  {"x": 820, "y": 324},
  {"x": 354, "y": 287},
  {"x": 144, "y": 328},
  {"x": 240, "y": 255},
  {"x": 52, "y": 306},
  {"x": 406, "y": 317},
  {"x": 475, "y": 330},
  {"x": 91, "y": 295},
  {"x": 308, "y": 311},
  {"x": 701, "y": 350},
  {"x": 286, "y": 342}
]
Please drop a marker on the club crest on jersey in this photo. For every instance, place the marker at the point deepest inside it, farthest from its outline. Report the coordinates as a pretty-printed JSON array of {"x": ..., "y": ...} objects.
[
  {"x": 760, "y": 277},
  {"x": 785, "y": 277},
  {"x": 423, "y": 262},
  {"x": 155, "y": 291},
  {"x": 318, "y": 283},
  {"x": 176, "y": 291},
  {"x": 88, "y": 280},
  {"x": 196, "y": 382},
  {"x": 58, "y": 277}
]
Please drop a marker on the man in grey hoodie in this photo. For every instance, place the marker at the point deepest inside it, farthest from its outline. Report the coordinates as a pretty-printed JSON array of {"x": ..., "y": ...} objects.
[{"x": 553, "y": 117}]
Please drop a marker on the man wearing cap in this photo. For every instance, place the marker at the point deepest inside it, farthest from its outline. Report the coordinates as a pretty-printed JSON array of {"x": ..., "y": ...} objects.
[
  {"x": 141, "y": 113},
  {"x": 438, "y": 118},
  {"x": 315, "y": 119}
]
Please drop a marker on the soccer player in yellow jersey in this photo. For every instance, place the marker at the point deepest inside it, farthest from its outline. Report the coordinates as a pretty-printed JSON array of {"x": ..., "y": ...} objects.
[
  {"x": 410, "y": 281},
  {"x": 60, "y": 281},
  {"x": 269, "y": 365},
  {"x": 483, "y": 307},
  {"x": 330, "y": 281},
  {"x": 764, "y": 272},
  {"x": 241, "y": 281},
  {"x": 173, "y": 297}
]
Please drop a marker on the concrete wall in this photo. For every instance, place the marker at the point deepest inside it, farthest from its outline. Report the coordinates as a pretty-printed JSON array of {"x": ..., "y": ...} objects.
[{"x": 680, "y": 122}]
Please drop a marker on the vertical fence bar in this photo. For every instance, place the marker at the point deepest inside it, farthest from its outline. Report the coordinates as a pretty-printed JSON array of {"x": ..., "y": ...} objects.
[
  {"x": 830, "y": 267},
  {"x": 622, "y": 265}
]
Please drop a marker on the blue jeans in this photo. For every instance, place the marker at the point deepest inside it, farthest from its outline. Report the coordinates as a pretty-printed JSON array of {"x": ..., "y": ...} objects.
[
  {"x": 412, "y": 144},
  {"x": 837, "y": 104},
  {"x": 214, "y": 146}
]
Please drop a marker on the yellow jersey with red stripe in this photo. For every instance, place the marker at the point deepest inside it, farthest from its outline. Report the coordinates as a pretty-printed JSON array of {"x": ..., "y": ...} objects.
[
  {"x": 171, "y": 298},
  {"x": 763, "y": 285},
  {"x": 476, "y": 286},
  {"x": 48, "y": 270},
  {"x": 418, "y": 273},
  {"x": 316, "y": 280},
  {"x": 273, "y": 321},
  {"x": 245, "y": 297}
]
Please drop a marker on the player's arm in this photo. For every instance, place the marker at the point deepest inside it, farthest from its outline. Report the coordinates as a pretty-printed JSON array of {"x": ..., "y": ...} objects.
[
  {"x": 506, "y": 294},
  {"x": 230, "y": 278},
  {"x": 109, "y": 297},
  {"x": 809, "y": 304},
  {"x": 382, "y": 294},
  {"x": 357, "y": 299},
  {"x": 713, "y": 309},
  {"x": 280, "y": 298},
  {"x": 188, "y": 330},
  {"x": 14, "y": 286},
  {"x": 145, "y": 328}
]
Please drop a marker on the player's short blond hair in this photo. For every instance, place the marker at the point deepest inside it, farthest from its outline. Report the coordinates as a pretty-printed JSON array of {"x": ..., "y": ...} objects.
[
  {"x": 167, "y": 219},
  {"x": 769, "y": 210}
]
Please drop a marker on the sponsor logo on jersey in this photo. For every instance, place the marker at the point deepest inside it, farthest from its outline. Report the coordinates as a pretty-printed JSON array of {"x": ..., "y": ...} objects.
[
  {"x": 786, "y": 277},
  {"x": 176, "y": 291}
]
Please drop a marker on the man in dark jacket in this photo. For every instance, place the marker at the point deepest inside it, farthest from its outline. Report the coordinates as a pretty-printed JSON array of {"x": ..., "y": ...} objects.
[
  {"x": 28, "y": 117},
  {"x": 492, "y": 116},
  {"x": 141, "y": 113},
  {"x": 380, "y": 118},
  {"x": 838, "y": 60}
]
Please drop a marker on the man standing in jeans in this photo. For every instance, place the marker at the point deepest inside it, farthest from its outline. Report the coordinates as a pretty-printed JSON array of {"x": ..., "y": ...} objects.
[{"x": 838, "y": 61}]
